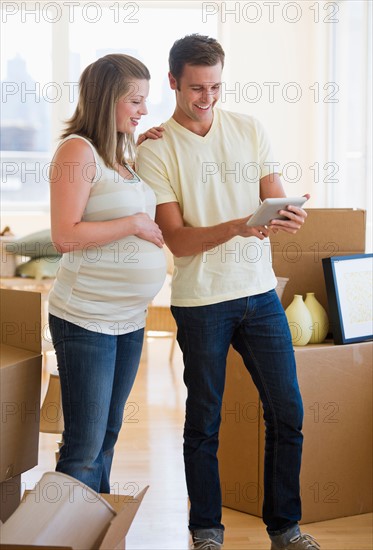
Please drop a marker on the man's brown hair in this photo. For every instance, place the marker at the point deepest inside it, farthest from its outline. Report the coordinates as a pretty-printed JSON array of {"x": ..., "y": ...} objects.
[{"x": 194, "y": 49}]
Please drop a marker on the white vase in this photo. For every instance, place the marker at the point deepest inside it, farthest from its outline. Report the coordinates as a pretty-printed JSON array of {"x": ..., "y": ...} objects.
[
  {"x": 320, "y": 321},
  {"x": 300, "y": 321}
]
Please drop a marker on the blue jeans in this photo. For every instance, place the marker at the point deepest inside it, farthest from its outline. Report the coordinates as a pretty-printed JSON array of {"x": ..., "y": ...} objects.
[
  {"x": 97, "y": 372},
  {"x": 257, "y": 328}
]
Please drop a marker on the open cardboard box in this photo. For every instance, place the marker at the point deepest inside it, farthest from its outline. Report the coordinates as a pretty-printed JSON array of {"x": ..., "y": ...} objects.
[
  {"x": 20, "y": 387},
  {"x": 327, "y": 232},
  {"x": 126, "y": 508},
  {"x": 114, "y": 534}
]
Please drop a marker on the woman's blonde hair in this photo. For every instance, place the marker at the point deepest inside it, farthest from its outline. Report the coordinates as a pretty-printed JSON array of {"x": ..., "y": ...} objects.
[{"x": 100, "y": 86}]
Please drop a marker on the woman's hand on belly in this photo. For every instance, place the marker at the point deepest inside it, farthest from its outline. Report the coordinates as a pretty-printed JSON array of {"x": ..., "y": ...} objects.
[{"x": 147, "y": 229}]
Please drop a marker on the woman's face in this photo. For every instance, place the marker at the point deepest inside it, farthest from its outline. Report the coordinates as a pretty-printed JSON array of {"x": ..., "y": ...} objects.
[{"x": 131, "y": 106}]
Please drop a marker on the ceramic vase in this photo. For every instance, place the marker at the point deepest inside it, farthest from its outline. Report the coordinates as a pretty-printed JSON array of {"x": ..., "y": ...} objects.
[
  {"x": 300, "y": 321},
  {"x": 320, "y": 322}
]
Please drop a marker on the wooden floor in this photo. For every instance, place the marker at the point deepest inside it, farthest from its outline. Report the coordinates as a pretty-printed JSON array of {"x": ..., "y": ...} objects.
[{"x": 149, "y": 452}]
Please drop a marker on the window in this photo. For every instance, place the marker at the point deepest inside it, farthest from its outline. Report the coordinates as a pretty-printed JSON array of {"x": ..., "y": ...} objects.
[
  {"x": 45, "y": 47},
  {"x": 26, "y": 70},
  {"x": 350, "y": 121}
]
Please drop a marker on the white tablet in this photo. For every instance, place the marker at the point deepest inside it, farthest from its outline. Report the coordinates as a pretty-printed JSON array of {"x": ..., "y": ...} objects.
[{"x": 269, "y": 210}]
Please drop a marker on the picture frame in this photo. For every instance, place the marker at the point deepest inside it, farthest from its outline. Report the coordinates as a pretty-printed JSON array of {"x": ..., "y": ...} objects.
[{"x": 349, "y": 282}]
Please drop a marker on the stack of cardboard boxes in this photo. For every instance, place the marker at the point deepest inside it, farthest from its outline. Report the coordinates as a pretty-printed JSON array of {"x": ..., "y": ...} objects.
[
  {"x": 336, "y": 386},
  {"x": 20, "y": 388},
  {"x": 20, "y": 384}
]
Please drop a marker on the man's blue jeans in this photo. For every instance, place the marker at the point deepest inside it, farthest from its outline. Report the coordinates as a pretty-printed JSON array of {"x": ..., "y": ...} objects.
[
  {"x": 257, "y": 328},
  {"x": 97, "y": 372}
]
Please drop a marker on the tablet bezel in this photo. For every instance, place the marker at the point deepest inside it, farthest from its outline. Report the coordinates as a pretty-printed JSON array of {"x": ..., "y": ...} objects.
[{"x": 269, "y": 208}]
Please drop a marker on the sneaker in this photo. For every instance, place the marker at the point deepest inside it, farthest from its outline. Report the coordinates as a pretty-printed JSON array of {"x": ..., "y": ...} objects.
[
  {"x": 208, "y": 539},
  {"x": 206, "y": 544},
  {"x": 299, "y": 542}
]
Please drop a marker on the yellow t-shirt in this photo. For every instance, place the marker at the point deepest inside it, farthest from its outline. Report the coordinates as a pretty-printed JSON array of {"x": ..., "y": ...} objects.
[{"x": 214, "y": 178}]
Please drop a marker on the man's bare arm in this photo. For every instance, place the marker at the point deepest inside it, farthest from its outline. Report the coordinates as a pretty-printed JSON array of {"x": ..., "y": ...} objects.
[{"x": 189, "y": 241}]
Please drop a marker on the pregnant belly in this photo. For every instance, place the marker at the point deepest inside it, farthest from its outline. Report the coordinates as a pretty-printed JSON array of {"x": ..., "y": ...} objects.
[{"x": 133, "y": 268}]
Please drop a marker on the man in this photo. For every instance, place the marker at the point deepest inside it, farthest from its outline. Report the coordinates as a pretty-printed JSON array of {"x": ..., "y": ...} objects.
[{"x": 209, "y": 172}]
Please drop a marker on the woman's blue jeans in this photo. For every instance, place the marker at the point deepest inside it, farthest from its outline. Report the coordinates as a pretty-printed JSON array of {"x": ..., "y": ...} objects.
[
  {"x": 97, "y": 372},
  {"x": 257, "y": 328}
]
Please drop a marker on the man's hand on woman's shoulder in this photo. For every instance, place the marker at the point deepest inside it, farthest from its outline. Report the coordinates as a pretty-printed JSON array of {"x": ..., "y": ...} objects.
[{"x": 153, "y": 133}]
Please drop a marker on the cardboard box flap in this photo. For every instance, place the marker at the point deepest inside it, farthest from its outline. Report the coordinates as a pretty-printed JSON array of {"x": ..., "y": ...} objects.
[
  {"x": 20, "y": 314},
  {"x": 11, "y": 355},
  {"x": 120, "y": 524},
  {"x": 125, "y": 508},
  {"x": 327, "y": 230}
]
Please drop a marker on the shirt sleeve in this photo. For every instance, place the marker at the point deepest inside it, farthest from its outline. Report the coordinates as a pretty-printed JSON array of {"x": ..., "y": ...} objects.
[{"x": 153, "y": 171}]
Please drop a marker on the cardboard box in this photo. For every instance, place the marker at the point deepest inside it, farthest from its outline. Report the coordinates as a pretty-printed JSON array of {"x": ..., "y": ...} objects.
[
  {"x": 20, "y": 386},
  {"x": 327, "y": 232},
  {"x": 10, "y": 495},
  {"x": 114, "y": 534},
  {"x": 336, "y": 475}
]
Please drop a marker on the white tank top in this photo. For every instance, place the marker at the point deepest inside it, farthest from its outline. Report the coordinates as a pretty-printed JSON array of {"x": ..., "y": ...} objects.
[{"x": 107, "y": 288}]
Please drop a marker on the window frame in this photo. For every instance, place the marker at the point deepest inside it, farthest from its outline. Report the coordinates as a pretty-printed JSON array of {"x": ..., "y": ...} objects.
[{"x": 61, "y": 73}]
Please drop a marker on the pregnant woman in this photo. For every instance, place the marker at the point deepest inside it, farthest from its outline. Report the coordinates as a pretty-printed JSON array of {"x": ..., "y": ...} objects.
[{"x": 102, "y": 220}]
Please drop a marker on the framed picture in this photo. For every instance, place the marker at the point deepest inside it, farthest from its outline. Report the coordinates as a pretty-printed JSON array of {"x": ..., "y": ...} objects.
[{"x": 349, "y": 282}]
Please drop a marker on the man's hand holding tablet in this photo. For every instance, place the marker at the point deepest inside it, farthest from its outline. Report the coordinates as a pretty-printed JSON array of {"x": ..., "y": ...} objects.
[{"x": 270, "y": 208}]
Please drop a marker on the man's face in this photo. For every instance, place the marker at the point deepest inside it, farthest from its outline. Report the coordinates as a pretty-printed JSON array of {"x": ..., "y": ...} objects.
[{"x": 197, "y": 91}]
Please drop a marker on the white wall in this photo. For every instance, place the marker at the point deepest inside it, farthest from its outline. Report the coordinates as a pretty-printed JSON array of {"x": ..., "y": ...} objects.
[
  {"x": 280, "y": 52},
  {"x": 23, "y": 223},
  {"x": 268, "y": 43}
]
